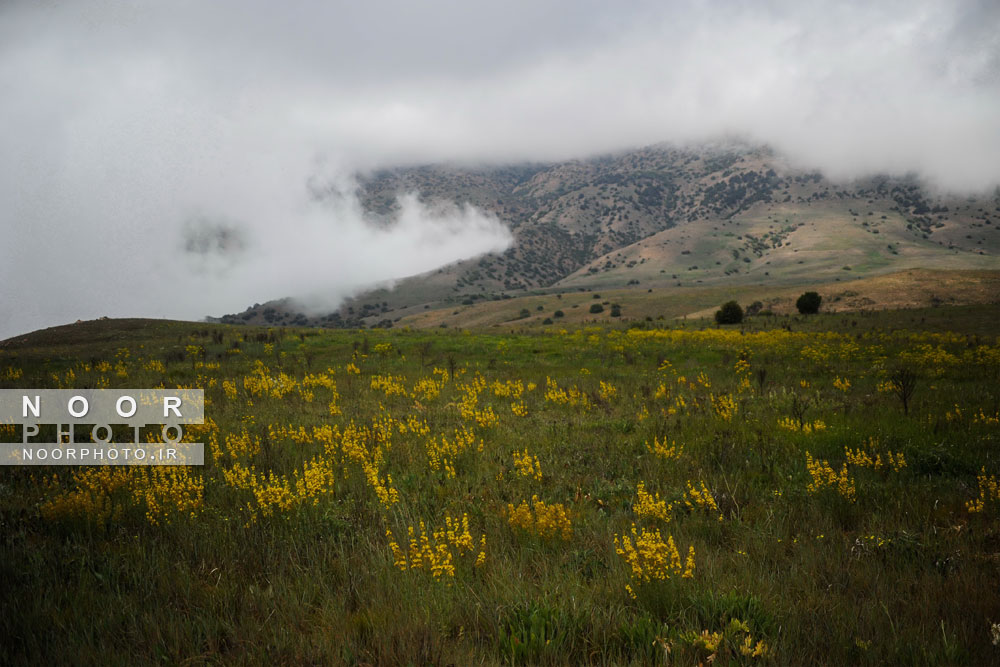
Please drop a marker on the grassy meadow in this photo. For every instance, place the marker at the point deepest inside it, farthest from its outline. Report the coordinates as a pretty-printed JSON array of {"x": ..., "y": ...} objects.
[{"x": 791, "y": 491}]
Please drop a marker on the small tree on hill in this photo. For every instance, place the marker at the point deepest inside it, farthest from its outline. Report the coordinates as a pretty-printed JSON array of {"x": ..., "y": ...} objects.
[
  {"x": 808, "y": 303},
  {"x": 730, "y": 313},
  {"x": 596, "y": 308}
]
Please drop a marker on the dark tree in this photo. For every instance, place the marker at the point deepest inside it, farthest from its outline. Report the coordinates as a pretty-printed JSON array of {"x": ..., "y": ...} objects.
[
  {"x": 596, "y": 308},
  {"x": 808, "y": 303},
  {"x": 730, "y": 313}
]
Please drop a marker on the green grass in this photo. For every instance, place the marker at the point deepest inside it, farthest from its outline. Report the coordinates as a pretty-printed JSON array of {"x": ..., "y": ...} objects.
[{"x": 903, "y": 574}]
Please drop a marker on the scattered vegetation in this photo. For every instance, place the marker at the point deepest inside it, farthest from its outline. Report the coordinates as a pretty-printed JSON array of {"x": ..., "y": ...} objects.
[{"x": 587, "y": 495}]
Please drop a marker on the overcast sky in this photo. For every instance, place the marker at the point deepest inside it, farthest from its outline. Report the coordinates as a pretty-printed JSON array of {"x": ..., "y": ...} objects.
[{"x": 132, "y": 130}]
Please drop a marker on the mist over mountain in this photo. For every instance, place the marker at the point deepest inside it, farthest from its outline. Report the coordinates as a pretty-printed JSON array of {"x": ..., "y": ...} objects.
[{"x": 726, "y": 213}]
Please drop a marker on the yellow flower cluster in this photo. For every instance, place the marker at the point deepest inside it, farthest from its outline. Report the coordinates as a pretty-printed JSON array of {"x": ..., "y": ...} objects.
[
  {"x": 651, "y": 506},
  {"x": 989, "y": 492},
  {"x": 508, "y": 389},
  {"x": 156, "y": 366},
  {"x": 320, "y": 380},
  {"x": 168, "y": 492},
  {"x": 724, "y": 406},
  {"x": 706, "y": 641},
  {"x": 299, "y": 435},
  {"x": 607, "y": 392},
  {"x": 985, "y": 419},
  {"x": 66, "y": 381},
  {"x": 737, "y": 633},
  {"x": 700, "y": 498},
  {"x": 441, "y": 452},
  {"x": 101, "y": 493},
  {"x": 429, "y": 388},
  {"x": 862, "y": 459},
  {"x": 652, "y": 559},
  {"x": 572, "y": 396},
  {"x": 665, "y": 451},
  {"x": 806, "y": 427},
  {"x": 469, "y": 404},
  {"x": 519, "y": 409},
  {"x": 361, "y": 445},
  {"x": 273, "y": 492},
  {"x": 433, "y": 551},
  {"x": 541, "y": 518},
  {"x": 90, "y": 494},
  {"x": 886, "y": 387},
  {"x": 389, "y": 384},
  {"x": 200, "y": 365},
  {"x": 241, "y": 445},
  {"x": 751, "y": 650},
  {"x": 824, "y": 476},
  {"x": 933, "y": 359},
  {"x": 259, "y": 382},
  {"x": 528, "y": 465},
  {"x": 843, "y": 384}
]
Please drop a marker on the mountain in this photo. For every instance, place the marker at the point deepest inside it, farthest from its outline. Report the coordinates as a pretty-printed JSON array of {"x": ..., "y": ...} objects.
[{"x": 667, "y": 217}]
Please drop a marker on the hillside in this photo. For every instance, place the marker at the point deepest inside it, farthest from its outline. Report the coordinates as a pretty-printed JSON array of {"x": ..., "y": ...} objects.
[{"x": 665, "y": 217}]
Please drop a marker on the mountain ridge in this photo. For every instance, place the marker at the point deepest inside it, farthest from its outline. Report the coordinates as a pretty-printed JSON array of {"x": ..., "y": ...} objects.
[{"x": 666, "y": 216}]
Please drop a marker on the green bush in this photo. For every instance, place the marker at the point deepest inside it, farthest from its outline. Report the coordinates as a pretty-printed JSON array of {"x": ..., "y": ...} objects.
[
  {"x": 596, "y": 308},
  {"x": 730, "y": 313},
  {"x": 808, "y": 303}
]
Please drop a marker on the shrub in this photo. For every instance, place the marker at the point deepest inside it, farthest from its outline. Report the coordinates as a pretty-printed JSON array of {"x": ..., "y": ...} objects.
[
  {"x": 596, "y": 308},
  {"x": 808, "y": 303},
  {"x": 616, "y": 310},
  {"x": 730, "y": 313},
  {"x": 754, "y": 308},
  {"x": 558, "y": 313}
]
